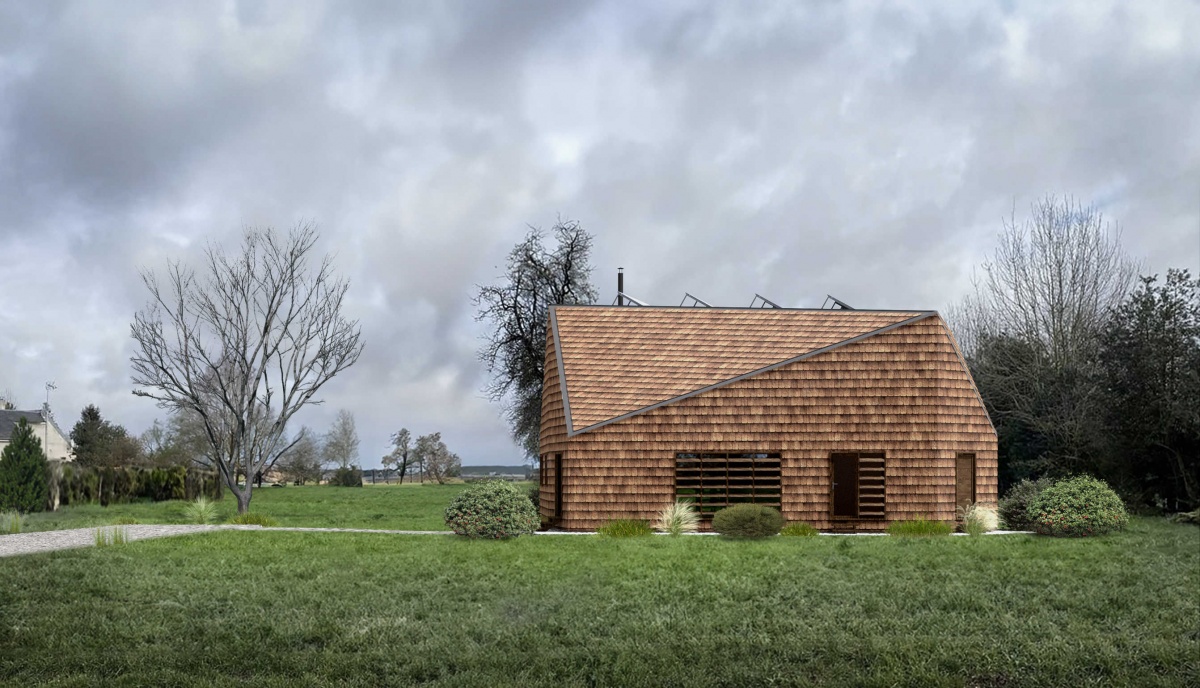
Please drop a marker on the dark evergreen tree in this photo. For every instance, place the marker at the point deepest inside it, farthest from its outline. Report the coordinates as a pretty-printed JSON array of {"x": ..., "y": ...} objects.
[
  {"x": 88, "y": 435},
  {"x": 1150, "y": 355},
  {"x": 24, "y": 485},
  {"x": 99, "y": 442}
]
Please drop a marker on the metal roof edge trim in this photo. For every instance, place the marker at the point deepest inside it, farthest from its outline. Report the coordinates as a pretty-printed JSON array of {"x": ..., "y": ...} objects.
[
  {"x": 752, "y": 373},
  {"x": 562, "y": 376}
]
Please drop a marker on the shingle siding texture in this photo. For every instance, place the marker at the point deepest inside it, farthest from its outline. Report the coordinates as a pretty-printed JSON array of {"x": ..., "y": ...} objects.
[{"x": 904, "y": 392}]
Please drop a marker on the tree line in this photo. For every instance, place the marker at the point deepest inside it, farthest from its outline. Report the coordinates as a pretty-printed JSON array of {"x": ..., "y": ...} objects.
[
  {"x": 1085, "y": 366},
  {"x": 180, "y": 441}
]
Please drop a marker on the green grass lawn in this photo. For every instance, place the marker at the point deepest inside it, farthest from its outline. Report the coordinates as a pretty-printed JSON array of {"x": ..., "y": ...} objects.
[
  {"x": 286, "y": 608},
  {"x": 391, "y": 507}
]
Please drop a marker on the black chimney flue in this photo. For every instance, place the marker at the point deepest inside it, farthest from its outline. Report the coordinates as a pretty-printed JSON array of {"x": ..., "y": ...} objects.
[{"x": 620, "y": 286}]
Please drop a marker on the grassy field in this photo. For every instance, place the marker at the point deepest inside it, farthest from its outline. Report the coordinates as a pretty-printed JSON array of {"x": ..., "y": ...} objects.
[
  {"x": 285, "y": 608},
  {"x": 392, "y": 507}
]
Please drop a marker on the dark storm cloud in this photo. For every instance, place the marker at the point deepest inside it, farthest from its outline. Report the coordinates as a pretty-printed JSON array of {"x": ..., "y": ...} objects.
[{"x": 719, "y": 148}]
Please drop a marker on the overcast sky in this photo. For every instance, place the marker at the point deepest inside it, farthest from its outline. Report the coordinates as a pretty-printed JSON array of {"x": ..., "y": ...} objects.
[{"x": 869, "y": 151}]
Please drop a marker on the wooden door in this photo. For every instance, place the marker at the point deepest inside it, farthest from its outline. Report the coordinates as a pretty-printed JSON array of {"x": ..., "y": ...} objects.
[
  {"x": 964, "y": 480},
  {"x": 558, "y": 487},
  {"x": 845, "y": 485}
]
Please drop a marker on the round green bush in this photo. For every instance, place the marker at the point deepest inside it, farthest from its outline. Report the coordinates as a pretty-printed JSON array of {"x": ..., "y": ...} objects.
[
  {"x": 1078, "y": 507},
  {"x": 748, "y": 521},
  {"x": 493, "y": 510},
  {"x": 1014, "y": 508}
]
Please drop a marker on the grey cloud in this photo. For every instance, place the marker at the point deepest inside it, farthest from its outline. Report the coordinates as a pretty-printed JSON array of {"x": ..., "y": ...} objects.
[{"x": 723, "y": 149}]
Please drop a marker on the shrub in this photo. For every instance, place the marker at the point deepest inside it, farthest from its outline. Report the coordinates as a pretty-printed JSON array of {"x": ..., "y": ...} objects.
[
  {"x": 678, "y": 518},
  {"x": 625, "y": 527},
  {"x": 200, "y": 511},
  {"x": 11, "y": 522},
  {"x": 251, "y": 518},
  {"x": 799, "y": 529},
  {"x": 492, "y": 509},
  {"x": 347, "y": 477},
  {"x": 1014, "y": 508},
  {"x": 978, "y": 519},
  {"x": 90, "y": 484},
  {"x": 748, "y": 521},
  {"x": 1078, "y": 507},
  {"x": 919, "y": 527},
  {"x": 24, "y": 473},
  {"x": 535, "y": 497}
]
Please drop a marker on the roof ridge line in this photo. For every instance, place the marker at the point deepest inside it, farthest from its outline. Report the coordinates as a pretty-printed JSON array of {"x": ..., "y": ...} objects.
[{"x": 737, "y": 378}]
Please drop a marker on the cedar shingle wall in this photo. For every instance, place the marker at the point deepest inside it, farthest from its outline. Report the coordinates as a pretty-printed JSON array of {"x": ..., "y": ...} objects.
[
  {"x": 619, "y": 359},
  {"x": 903, "y": 392},
  {"x": 553, "y": 436}
]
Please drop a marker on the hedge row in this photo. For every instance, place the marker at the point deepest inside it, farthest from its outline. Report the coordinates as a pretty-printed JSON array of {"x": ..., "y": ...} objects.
[{"x": 104, "y": 486}]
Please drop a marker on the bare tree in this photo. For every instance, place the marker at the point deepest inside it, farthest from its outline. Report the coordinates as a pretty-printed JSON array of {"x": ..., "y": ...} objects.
[
  {"x": 341, "y": 442},
  {"x": 401, "y": 455},
  {"x": 1032, "y": 325},
  {"x": 254, "y": 340},
  {"x": 302, "y": 462},
  {"x": 433, "y": 455},
  {"x": 518, "y": 308}
]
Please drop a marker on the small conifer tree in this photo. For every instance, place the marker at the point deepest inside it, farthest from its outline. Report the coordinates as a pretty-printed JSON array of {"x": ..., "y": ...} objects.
[{"x": 23, "y": 481}]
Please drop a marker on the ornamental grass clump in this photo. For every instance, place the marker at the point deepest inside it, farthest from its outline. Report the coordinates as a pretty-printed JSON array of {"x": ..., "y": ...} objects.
[
  {"x": 625, "y": 527},
  {"x": 493, "y": 510},
  {"x": 799, "y": 529},
  {"x": 11, "y": 522},
  {"x": 202, "y": 511},
  {"x": 1078, "y": 507},
  {"x": 253, "y": 519},
  {"x": 978, "y": 519},
  {"x": 678, "y": 518},
  {"x": 919, "y": 527},
  {"x": 748, "y": 521},
  {"x": 111, "y": 536}
]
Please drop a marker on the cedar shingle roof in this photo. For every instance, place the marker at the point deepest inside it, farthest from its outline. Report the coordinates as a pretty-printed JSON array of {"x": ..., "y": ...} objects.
[{"x": 617, "y": 360}]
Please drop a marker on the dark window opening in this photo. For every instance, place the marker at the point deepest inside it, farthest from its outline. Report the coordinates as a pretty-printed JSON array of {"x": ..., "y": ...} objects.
[
  {"x": 858, "y": 486},
  {"x": 964, "y": 480},
  {"x": 713, "y": 481}
]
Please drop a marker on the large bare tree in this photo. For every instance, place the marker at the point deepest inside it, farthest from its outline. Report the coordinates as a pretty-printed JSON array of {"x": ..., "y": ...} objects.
[
  {"x": 1032, "y": 326},
  {"x": 517, "y": 309},
  {"x": 245, "y": 346}
]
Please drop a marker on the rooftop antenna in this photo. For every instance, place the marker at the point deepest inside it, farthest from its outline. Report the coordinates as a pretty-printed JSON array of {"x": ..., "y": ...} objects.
[
  {"x": 695, "y": 301},
  {"x": 841, "y": 305},
  {"x": 763, "y": 302},
  {"x": 624, "y": 299},
  {"x": 46, "y": 417}
]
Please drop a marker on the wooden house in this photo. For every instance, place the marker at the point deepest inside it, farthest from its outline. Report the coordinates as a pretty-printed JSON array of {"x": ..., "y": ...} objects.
[{"x": 846, "y": 419}]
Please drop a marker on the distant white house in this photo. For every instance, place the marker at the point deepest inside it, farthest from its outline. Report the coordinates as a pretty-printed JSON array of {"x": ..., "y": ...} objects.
[{"x": 54, "y": 442}]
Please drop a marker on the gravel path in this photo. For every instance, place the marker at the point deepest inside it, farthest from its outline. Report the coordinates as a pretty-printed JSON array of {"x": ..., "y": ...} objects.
[{"x": 47, "y": 541}]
